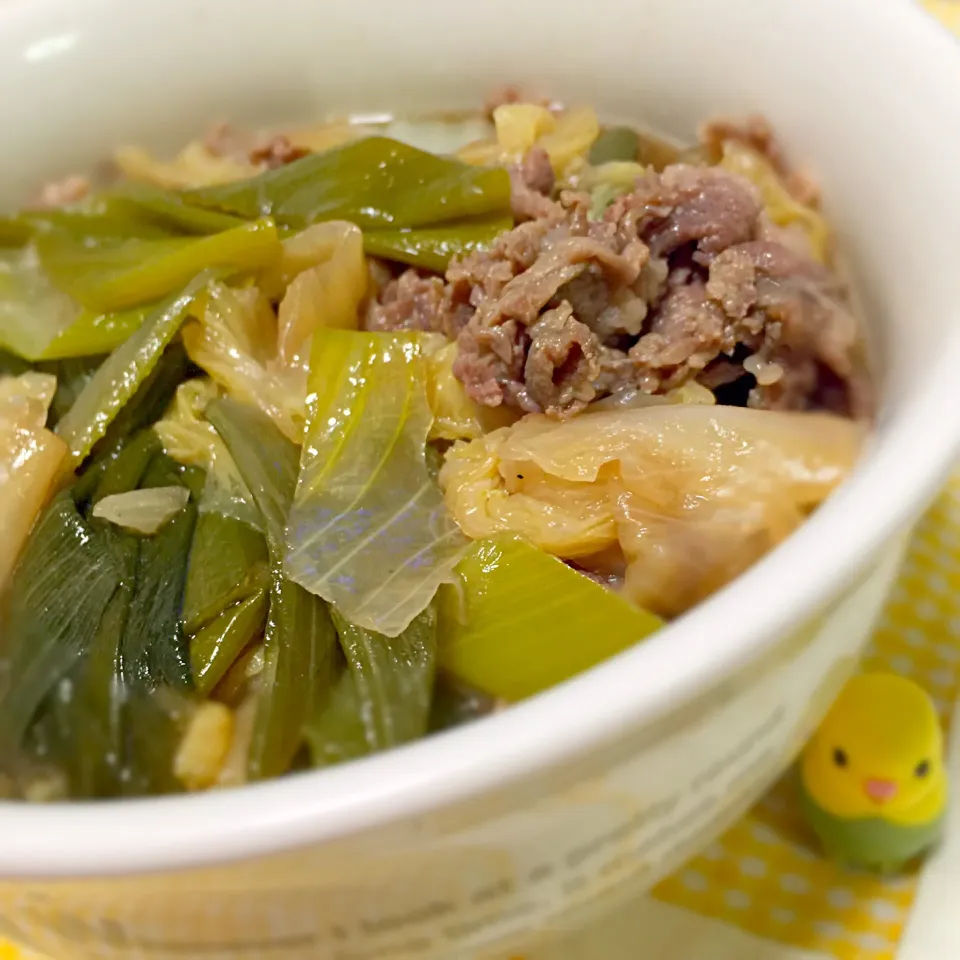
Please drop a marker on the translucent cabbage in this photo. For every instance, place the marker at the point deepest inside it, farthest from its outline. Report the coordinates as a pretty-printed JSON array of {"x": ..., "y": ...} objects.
[
  {"x": 235, "y": 342},
  {"x": 259, "y": 357},
  {"x": 368, "y": 530},
  {"x": 190, "y": 439},
  {"x": 33, "y": 313},
  {"x": 519, "y": 126},
  {"x": 142, "y": 511},
  {"x": 781, "y": 207},
  {"x": 689, "y": 494},
  {"x": 30, "y": 457},
  {"x": 195, "y": 166},
  {"x": 327, "y": 292},
  {"x": 567, "y": 138}
]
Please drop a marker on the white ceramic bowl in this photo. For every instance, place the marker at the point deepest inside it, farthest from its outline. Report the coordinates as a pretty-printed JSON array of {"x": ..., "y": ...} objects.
[{"x": 466, "y": 841}]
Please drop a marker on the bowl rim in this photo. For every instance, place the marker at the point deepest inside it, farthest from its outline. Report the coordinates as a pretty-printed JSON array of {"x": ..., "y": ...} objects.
[{"x": 891, "y": 484}]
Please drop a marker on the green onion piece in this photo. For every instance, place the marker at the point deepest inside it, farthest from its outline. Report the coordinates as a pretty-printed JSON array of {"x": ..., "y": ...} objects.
[
  {"x": 265, "y": 458},
  {"x": 14, "y": 231},
  {"x": 369, "y": 531},
  {"x": 118, "y": 378},
  {"x": 393, "y": 677},
  {"x": 215, "y": 647},
  {"x": 154, "y": 724},
  {"x": 61, "y": 586},
  {"x": 92, "y": 334},
  {"x": 375, "y": 183},
  {"x": 615, "y": 143},
  {"x": 167, "y": 210},
  {"x": 228, "y": 563},
  {"x": 72, "y": 376},
  {"x": 155, "y": 649},
  {"x": 121, "y": 274},
  {"x": 455, "y": 704},
  {"x": 93, "y": 716},
  {"x": 432, "y": 248},
  {"x": 300, "y": 641},
  {"x": 299, "y": 650},
  {"x": 494, "y": 639},
  {"x": 11, "y": 365},
  {"x": 93, "y": 221},
  {"x": 336, "y": 732},
  {"x": 126, "y": 471}
]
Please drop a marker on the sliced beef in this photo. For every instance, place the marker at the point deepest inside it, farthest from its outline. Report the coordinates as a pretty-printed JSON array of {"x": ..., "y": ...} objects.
[
  {"x": 688, "y": 331},
  {"x": 681, "y": 279},
  {"x": 562, "y": 362},
  {"x": 276, "y": 152},
  {"x": 683, "y": 205},
  {"x": 531, "y": 185},
  {"x": 412, "y": 301},
  {"x": 60, "y": 193}
]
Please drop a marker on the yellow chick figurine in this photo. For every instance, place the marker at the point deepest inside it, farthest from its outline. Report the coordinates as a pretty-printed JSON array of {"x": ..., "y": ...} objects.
[{"x": 873, "y": 785}]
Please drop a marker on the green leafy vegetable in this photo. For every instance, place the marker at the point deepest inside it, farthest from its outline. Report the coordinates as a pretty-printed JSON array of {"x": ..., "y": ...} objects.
[
  {"x": 336, "y": 733},
  {"x": 375, "y": 182},
  {"x": 266, "y": 459},
  {"x": 92, "y": 718},
  {"x": 494, "y": 638},
  {"x": 393, "y": 677},
  {"x": 14, "y": 232},
  {"x": 167, "y": 210},
  {"x": 299, "y": 649},
  {"x": 115, "y": 275},
  {"x": 57, "y": 596},
  {"x": 93, "y": 333},
  {"x": 226, "y": 595},
  {"x": 92, "y": 220},
  {"x": 300, "y": 640},
  {"x": 432, "y": 248},
  {"x": 153, "y": 726},
  {"x": 215, "y": 647},
  {"x": 615, "y": 143},
  {"x": 228, "y": 562},
  {"x": 117, "y": 380},
  {"x": 455, "y": 704},
  {"x": 155, "y": 649},
  {"x": 369, "y": 531},
  {"x": 11, "y": 365},
  {"x": 72, "y": 376},
  {"x": 125, "y": 472}
]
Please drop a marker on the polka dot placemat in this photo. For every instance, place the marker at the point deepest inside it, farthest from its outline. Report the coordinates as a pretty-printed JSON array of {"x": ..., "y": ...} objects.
[{"x": 763, "y": 875}]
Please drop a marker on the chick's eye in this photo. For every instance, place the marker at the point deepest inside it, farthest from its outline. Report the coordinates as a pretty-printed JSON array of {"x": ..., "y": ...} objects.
[
  {"x": 922, "y": 768},
  {"x": 840, "y": 758}
]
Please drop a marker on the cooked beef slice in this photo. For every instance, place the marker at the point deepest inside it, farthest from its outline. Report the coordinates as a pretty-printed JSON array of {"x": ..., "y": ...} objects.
[{"x": 681, "y": 279}]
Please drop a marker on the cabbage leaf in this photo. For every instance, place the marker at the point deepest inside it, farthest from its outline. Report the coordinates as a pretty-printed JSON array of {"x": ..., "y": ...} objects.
[{"x": 368, "y": 530}]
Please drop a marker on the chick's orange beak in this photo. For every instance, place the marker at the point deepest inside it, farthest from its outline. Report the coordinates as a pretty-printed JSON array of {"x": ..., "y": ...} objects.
[{"x": 880, "y": 791}]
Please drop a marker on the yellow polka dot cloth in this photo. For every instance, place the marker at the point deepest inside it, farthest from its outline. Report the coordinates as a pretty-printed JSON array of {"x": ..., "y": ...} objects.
[
  {"x": 761, "y": 892},
  {"x": 762, "y": 875}
]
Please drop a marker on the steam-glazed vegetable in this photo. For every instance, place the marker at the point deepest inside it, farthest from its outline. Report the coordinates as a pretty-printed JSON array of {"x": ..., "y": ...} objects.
[{"x": 317, "y": 443}]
